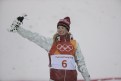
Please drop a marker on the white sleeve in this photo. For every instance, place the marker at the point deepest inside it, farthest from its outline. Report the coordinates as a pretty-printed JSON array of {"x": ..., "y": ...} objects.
[
  {"x": 40, "y": 40},
  {"x": 81, "y": 64}
]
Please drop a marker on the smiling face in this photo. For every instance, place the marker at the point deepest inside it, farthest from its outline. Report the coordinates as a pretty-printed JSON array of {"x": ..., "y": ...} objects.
[{"x": 62, "y": 30}]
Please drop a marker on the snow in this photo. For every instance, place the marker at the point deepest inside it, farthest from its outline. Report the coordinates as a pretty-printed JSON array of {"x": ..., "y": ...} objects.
[{"x": 96, "y": 24}]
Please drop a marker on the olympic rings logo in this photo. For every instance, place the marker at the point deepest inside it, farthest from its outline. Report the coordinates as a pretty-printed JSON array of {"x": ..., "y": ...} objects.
[{"x": 64, "y": 47}]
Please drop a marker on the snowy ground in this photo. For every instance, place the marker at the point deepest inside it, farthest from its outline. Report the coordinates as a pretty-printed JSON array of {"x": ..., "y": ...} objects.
[
  {"x": 78, "y": 80},
  {"x": 96, "y": 24}
]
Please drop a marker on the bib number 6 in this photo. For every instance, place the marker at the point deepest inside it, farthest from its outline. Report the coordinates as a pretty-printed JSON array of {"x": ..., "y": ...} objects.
[{"x": 64, "y": 63}]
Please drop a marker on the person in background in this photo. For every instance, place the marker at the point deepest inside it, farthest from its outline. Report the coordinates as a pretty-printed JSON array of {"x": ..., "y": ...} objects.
[{"x": 63, "y": 51}]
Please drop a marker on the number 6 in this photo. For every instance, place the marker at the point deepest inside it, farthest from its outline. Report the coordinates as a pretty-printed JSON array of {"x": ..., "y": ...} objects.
[{"x": 64, "y": 64}]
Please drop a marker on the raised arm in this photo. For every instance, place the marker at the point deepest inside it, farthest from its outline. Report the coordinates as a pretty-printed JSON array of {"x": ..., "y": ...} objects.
[{"x": 40, "y": 40}]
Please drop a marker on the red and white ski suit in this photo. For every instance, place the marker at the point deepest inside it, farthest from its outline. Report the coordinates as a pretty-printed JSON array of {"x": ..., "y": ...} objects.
[{"x": 62, "y": 61}]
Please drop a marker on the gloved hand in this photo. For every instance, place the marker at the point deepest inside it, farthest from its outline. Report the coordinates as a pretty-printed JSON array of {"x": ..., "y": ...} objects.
[
  {"x": 16, "y": 23},
  {"x": 15, "y": 26}
]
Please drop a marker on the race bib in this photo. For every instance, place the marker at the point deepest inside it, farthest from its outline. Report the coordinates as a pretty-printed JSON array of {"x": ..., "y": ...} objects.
[{"x": 63, "y": 62}]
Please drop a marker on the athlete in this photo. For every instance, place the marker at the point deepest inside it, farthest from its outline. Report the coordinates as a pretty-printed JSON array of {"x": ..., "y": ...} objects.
[{"x": 63, "y": 50}]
